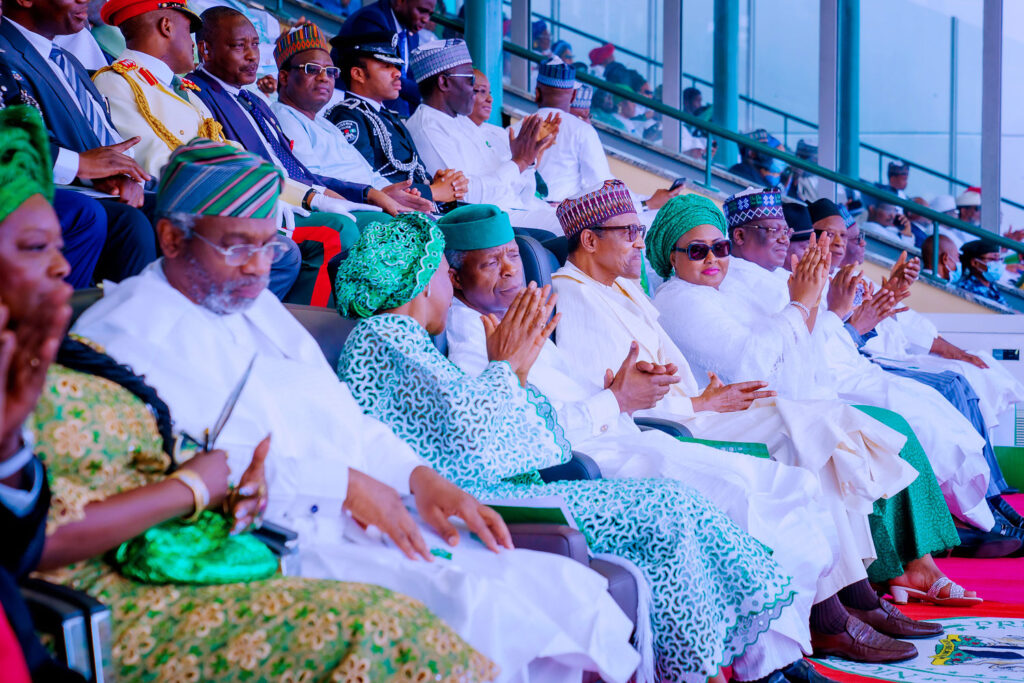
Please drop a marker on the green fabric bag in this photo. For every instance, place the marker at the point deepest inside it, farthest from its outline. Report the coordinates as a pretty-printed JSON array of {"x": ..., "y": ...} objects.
[{"x": 202, "y": 552}]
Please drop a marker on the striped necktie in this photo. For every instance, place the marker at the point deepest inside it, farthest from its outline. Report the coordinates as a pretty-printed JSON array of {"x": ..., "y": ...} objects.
[
  {"x": 90, "y": 108},
  {"x": 281, "y": 147}
]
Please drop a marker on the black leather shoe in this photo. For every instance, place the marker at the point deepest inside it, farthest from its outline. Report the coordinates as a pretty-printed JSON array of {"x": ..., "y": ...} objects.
[
  {"x": 1002, "y": 541},
  {"x": 888, "y": 619},
  {"x": 801, "y": 671},
  {"x": 1000, "y": 505}
]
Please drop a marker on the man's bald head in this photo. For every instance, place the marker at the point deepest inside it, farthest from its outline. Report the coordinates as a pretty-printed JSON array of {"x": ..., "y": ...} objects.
[{"x": 949, "y": 255}]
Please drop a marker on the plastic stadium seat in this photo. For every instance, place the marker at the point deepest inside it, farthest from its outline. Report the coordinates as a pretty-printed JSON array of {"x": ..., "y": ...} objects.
[
  {"x": 538, "y": 263},
  {"x": 670, "y": 427},
  {"x": 77, "y": 624},
  {"x": 559, "y": 246}
]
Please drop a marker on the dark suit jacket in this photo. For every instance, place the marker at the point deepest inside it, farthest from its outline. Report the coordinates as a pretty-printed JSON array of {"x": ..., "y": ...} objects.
[
  {"x": 67, "y": 126},
  {"x": 229, "y": 112},
  {"x": 377, "y": 18},
  {"x": 20, "y": 550}
]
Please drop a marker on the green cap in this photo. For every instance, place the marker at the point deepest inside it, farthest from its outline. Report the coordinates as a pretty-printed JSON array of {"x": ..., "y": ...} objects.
[{"x": 476, "y": 226}]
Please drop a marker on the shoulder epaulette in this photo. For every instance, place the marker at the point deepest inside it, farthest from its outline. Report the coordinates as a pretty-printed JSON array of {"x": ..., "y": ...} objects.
[
  {"x": 123, "y": 66},
  {"x": 190, "y": 85}
]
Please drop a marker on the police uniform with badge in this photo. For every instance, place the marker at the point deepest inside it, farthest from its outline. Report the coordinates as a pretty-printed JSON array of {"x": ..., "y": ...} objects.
[
  {"x": 147, "y": 99},
  {"x": 377, "y": 132}
]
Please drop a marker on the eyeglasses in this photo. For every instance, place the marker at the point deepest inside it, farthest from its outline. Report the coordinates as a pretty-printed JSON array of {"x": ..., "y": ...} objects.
[
  {"x": 773, "y": 233},
  {"x": 240, "y": 254},
  {"x": 316, "y": 69},
  {"x": 636, "y": 231},
  {"x": 472, "y": 76},
  {"x": 698, "y": 251}
]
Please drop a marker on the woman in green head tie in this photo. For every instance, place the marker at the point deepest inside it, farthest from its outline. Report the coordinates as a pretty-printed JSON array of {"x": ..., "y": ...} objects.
[
  {"x": 200, "y": 604},
  {"x": 710, "y": 582},
  {"x": 721, "y": 332}
]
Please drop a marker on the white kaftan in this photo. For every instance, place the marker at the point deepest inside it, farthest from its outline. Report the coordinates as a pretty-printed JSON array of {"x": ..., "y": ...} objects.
[
  {"x": 539, "y": 616},
  {"x": 953, "y": 446},
  {"x": 323, "y": 149},
  {"x": 906, "y": 341},
  {"x": 597, "y": 326},
  {"x": 456, "y": 142},
  {"x": 775, "y": 503}
]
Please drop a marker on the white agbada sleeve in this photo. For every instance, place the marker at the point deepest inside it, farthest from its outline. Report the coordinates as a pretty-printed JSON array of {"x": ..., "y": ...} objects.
[
  {"x": 194, "y": 359},
  {"x": 595, "y": 341},
  {"x": 582, "y": 414},
  {"x": 445, "y": 142},
  {"x": 703, "y": 322}
]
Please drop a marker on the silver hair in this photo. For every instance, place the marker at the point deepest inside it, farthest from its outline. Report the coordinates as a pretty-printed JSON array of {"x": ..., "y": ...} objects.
[
  {"x": 186, "y": 222},
  {"x": 456, "y": 259}
]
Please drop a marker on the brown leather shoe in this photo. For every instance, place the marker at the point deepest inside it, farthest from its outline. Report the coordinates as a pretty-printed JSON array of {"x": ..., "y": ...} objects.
[
  {"x": 860, "y": 643},
  {"x": 888, "y": 619}
]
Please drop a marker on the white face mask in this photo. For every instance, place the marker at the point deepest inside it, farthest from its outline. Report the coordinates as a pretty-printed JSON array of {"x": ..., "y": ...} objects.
[{"x": 639, "y": 110}]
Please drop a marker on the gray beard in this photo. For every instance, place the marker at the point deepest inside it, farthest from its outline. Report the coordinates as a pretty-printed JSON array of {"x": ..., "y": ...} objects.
[{"x": 217, "y": 298}]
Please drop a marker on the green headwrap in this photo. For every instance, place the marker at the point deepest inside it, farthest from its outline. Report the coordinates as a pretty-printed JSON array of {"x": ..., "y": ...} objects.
[
  {"x": 679, "y": 216},
  {"x": 25, "y": 167},
  {"x": 389, "y": 265},
  {"x": 476, "y": 226}
]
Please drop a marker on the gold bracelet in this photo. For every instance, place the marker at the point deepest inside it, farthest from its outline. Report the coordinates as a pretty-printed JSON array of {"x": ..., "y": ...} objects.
[{"x": 200, "y": 494}]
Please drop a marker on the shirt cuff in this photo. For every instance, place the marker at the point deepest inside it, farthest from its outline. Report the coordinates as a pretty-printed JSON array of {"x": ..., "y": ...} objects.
[
  {"x": 604, "y": 411},
  {"x": 65, "y": 167}
]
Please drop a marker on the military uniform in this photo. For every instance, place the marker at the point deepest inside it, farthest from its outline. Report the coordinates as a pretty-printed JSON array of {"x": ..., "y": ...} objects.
[
  {"x": 148, "y": 101},
  {"x": 381, "y": 137}
]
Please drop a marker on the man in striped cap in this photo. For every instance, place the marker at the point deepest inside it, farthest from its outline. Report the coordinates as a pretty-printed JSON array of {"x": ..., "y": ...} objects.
[{"x": 446, "y": 137}]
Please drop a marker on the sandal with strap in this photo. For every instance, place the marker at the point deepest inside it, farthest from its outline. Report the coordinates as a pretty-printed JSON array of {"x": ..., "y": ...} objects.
[{"x": 902, "y": 595}]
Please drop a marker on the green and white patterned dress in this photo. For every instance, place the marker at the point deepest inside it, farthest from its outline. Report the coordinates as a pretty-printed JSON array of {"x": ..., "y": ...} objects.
[{"x": 714, "y": 588}]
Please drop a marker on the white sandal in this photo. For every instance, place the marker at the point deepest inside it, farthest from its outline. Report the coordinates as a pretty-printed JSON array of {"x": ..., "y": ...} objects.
[{"x": 902, "y": 595}]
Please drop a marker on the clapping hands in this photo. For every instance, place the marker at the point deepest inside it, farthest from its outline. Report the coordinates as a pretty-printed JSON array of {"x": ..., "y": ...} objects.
[{"x": 519, "y": 336}]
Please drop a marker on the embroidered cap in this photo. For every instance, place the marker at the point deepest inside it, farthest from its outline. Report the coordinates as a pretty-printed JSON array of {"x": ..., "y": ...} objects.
[
  {"x": 207, "y": 178},
  {"x": 299, "y": 39},
  {"x": 602, "y": 55},
  {"x": 591, "y": 209},
  {"x": 555, "y": 73},
  {"x": 116, "y": 12},
  {"x": 805, "y": 150},
  {"x": 582, "y": 98},
  {"x": 389, "y": 265},
  {"x": 753, "y": 204},
  {"x": 437, "y": 57},
  {"x": 824, "y": 208}
]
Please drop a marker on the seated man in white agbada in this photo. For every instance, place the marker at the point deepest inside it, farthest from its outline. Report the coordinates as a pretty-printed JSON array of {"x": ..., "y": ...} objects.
[
  {"x": 760, "y": 240},
  {"x": 778, "y": 504},
  {"x": 446, "y": 137},
  {"x": 193, "y": 322}
]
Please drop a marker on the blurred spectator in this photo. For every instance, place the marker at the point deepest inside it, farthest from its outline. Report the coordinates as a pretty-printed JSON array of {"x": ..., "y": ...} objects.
[
  {"x": 563, "y": 50},
  {"x": 968, "y": 205},
  {"x": 109, "y": 38},
  {"x": 919, "y": 225},
  {"x": 950, "y": 268},
  {"x": 600, "y": 58},
  {"x": 982, "y": 267},
  {"x": 541, "y": 37},
  {"x": 883, "y": 220},
  {"x": 582, "y": 98},
  {"x": 899, "y": 174},
  {"x": 804, "y": 186},
  {"x": 758, "y": 168}
]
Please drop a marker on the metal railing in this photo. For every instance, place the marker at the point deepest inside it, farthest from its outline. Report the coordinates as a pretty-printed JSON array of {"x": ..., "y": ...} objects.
[
  {"x": 786, "y": 117},
  {"x": 713, "y": 130}
]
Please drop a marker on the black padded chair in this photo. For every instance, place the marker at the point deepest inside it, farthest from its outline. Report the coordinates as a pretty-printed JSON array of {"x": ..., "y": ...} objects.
[
  {"x": 538, "y": 263},
  {"x": 559, "y": 246},
  {"x": 670, "y": 427}
]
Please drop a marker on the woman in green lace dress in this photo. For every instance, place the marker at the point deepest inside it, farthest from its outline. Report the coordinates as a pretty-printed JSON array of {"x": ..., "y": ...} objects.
[
  {"x": 106, "y": 460},
  {"x": 715, "y": 590}
]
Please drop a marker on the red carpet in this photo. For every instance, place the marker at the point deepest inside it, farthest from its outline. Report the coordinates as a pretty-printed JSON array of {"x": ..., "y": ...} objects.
[{"x": 1000, "y": 582}]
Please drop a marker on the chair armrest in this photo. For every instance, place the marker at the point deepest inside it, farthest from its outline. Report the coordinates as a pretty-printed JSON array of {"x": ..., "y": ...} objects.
[
  {"x": 79, "y": 624},
  {"x": 551, "y": 538},
  {"x": 284, "y": 543},
  {"x": 581, "y": 466},
  {"x": 670, "y": 427}
]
